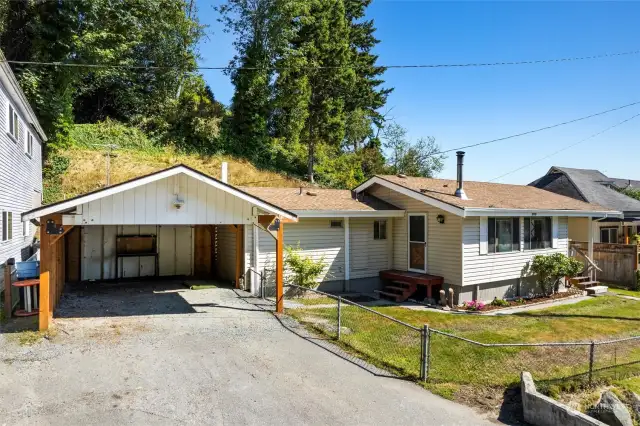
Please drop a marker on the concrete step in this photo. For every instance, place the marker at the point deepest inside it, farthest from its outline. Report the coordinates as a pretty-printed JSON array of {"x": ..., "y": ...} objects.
[{"x": 598, "y": 289}]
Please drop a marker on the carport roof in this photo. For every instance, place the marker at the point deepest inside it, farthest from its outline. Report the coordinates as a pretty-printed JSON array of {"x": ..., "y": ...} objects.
[{"x": 66, "y": 205}]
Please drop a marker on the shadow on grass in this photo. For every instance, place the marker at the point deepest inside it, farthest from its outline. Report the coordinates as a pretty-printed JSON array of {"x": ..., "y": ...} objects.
[{"x": 530, "y": 315}]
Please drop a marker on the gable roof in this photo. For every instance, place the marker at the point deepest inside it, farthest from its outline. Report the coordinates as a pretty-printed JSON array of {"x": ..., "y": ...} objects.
[
  {"x": 593, "y": 187},
  {"x": 486, "y": 198},
  {"x": 316, "y": 202},
  {"x": 66, "y": 205}
]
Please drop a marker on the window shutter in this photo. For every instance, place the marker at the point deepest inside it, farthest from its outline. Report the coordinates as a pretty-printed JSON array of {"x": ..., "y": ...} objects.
[
  {"x": 527, "y": 233},
  {"x": 484, "y": 235},
  {"x": 554, "y": 232},
  {"x": 515, "y": 227}
]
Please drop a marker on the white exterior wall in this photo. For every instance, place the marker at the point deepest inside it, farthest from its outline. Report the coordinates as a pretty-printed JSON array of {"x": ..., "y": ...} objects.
[
  {"x": 491, "y": 267},
  {"x": 153, "y": 204},
  {"x": 368, "y": 256},
  {"x": 444, "y": 241},
  {"x": 226, "y": 252},
  {"x": 317, "y": 240},
  {"x": 20, "y": 179},
  {"x": 98, "y": 247}
]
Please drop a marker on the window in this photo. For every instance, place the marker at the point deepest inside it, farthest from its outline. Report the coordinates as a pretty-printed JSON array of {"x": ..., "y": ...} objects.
[
  {"x": 28, "y": 146},
  {"x": 14, "y": 123},
  {"x": 379, "y": 229},
  {"x": 504, "y": 234},
  {"x": 608, "y": 235},
  {"x": 537, "y": 233},
  {"x": 7, "y": 226},
  {"x": 336, "y": 224}
]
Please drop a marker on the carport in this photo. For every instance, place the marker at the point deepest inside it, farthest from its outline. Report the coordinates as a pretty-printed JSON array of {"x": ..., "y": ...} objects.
[{"x": 175, "y": 222}]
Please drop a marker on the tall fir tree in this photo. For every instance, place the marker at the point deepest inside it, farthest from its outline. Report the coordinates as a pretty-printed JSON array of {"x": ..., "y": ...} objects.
[{"x": 313, "y": 76}]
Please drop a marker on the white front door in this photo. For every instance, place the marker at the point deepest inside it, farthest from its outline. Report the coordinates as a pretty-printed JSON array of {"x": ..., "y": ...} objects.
[{"x": 417, "y": 242}]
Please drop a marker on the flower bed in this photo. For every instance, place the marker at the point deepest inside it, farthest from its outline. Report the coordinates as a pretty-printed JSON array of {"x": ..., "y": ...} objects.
[{"x": 476, "y": 306}]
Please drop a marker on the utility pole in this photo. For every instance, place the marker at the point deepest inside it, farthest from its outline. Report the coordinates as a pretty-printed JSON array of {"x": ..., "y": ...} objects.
[{"x": 108, "y": 154}]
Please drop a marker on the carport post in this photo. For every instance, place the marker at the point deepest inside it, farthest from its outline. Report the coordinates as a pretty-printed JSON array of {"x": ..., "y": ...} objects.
[{"x": 280, "y": 268}]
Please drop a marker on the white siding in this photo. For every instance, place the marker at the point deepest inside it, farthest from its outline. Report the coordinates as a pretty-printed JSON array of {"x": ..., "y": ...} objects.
[
  {"x": 444, "y": 241},
  {"x": 248, "y": 255},
  {"x": 20, "y": 180},
  {"x": 317, "y": 240},
  {"x": 226, "y": 252},
  {"x": 501, "y": 266},
  {"x": 368, "y": 256},
  {"x": 153, "y": 204}
]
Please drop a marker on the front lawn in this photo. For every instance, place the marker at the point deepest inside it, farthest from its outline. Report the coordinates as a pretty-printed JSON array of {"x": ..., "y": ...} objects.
[
  {"x": 624, "y": 291},
  {"x": 455, "y": 363}
]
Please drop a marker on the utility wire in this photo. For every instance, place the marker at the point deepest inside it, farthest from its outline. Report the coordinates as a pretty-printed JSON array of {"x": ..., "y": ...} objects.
[
  {"x": 537, "y": 130},
  {"x": 565, "y": 148},
  {"x": 400, "y": 66}
]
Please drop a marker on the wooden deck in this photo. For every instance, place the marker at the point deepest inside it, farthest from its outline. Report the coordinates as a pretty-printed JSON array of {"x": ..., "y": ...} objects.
[{"x": 400, "y": 285}]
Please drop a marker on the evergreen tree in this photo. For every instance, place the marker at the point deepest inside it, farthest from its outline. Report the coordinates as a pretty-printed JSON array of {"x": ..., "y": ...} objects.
[{"x": 314, "y": 74}]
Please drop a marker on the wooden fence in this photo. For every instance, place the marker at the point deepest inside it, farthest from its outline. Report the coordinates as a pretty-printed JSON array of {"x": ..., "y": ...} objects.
[{"x": 618, "y": 262}]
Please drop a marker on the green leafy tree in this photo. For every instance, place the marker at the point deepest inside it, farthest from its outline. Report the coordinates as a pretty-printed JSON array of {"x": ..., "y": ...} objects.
[
  {"x": 631, "y": 192},
  {"x": 302, "y": 270},
  {"x": 550, "y": 269},
  {"x": 421, "y": 158}
]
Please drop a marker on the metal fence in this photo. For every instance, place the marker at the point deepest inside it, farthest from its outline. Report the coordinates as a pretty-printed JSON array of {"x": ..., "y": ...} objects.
[{"x": 424, "y": 353}]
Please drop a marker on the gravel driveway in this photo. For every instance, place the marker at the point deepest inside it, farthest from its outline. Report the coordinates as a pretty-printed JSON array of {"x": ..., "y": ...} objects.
[{"x": 218, "y": 360}]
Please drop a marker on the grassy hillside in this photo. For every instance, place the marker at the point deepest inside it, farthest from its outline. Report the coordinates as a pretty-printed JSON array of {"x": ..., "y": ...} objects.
[{"x": 137, "y": 156}]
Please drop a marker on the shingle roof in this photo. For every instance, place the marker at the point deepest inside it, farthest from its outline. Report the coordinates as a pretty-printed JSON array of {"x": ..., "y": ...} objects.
[
  {"x": 492, "y": 195},
  {"x": 592, "y": 185},
  {"x": 324, "y": 199}
]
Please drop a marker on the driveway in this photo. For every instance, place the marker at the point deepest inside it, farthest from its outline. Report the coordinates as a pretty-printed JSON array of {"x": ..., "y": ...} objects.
[{"x": 200, "y": 357}]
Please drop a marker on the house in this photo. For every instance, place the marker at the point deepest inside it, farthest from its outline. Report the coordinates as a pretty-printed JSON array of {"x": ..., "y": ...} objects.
[
  {"x": 593, "y": 186},
  {"x": 473, "y": 237},
  {"x": 21, "y": 139}
]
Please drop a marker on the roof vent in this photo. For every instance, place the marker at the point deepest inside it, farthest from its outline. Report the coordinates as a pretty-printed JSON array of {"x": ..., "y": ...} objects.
[{"x": 401, "y": 175}]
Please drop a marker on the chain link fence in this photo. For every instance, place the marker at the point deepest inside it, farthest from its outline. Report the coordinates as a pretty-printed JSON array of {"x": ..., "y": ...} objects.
[{"x": 423, "y": 353}]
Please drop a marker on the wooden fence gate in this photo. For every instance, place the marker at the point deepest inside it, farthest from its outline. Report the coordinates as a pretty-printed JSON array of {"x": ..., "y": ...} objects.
[{"x": 618, "y": 262}]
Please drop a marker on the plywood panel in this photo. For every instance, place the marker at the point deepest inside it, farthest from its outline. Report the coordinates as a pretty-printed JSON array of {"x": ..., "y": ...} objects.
[
  {"x": 92, "y": 252},
  {"x": 140, "y": 204},
  {"x": 184, "y": 245},
  {"x": 109, "y": 252},
  {"x": 118, "y": 208},
  {"x": 166, "y": 250},
  {"x": 129, "y": 207}
]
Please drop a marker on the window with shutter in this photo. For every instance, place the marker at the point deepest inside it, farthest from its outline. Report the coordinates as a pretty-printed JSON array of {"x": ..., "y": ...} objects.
[
  {"x": 537, "y": 233},
  {"x": 504, "y": 234}
]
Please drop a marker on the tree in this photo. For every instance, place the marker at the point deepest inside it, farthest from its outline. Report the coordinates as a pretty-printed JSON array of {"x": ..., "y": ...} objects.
[
  {"x": 550, "y": 269},
  {"x": 314, "y": 74},
  {"x": 421, "y": 158},
  {"x": 261, "y": 28}
]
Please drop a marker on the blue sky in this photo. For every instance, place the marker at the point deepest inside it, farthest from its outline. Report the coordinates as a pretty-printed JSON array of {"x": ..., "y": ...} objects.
[{"x": 468, "y": 105}]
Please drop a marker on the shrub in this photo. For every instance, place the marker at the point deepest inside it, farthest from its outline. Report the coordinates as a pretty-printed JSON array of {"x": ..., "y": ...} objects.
[
  {"x": 499, "y": 302},
  {"x": 474, "y": 305},
  {"x": 552, "y": 268},
  {"x": 303, "y": 270},
  {"x": 636, "y": 287},
  {"x": 520, "y": 301}
]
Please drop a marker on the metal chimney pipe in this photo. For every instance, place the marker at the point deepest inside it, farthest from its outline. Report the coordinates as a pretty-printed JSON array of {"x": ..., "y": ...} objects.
[
  {"x": 224, "y": 173},
  {"x": 460, "y": 189}
]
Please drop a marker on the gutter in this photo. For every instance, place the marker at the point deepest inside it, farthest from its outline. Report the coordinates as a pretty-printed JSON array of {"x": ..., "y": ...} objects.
[{"x": 474, "y": 212}]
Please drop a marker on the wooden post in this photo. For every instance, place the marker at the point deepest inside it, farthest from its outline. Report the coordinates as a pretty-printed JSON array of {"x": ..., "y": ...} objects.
[
  {"x": 45, "y": 266},
  {"x": 7, "y": 290},
  {"x": 280, "y": 269}
]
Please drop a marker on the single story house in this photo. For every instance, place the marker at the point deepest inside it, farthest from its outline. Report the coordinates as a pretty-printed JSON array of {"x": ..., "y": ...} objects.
[
  {"x": 592, "y": 186},
  {"x": 473, "y": 237}
]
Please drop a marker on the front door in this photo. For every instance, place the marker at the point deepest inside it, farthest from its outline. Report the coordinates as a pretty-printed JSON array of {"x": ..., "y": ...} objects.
[{"x": 418, "y": 242}]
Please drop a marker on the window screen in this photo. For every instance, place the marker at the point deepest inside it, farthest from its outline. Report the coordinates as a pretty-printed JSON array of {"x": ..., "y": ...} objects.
[{"x": 537, "y": 233}]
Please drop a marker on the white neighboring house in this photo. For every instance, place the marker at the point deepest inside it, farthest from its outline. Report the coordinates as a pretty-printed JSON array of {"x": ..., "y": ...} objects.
[{"x": 21, "y": 139}]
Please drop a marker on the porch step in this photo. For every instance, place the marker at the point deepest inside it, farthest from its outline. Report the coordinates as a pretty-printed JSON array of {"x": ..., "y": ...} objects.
[
  {"x": 587, "y": 284},
  {"x": 389, "y": 296},
  {"x": 399, "y": 289},
  {"x": 581, "y": 278},
  {"x": 598, "y": 289}
]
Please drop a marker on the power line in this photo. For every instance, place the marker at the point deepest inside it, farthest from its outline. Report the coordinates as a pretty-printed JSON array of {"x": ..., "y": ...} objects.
[
  {"x": 565, "y": 148},
  {"x": 537, "y": 130},
  {"x": 351, "y": 66}
]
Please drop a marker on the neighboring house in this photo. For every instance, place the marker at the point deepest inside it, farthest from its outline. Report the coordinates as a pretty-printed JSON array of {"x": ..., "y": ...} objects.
[
  {"x": 593, "y": 186},
  {"x": 479, "y": 241},
  {"x": 21, "y": 139}
]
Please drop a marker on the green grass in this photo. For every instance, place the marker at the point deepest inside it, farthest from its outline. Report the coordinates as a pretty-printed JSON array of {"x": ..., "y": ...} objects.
[
  {"x": 632, "y": 384},
  {"x": 456, "y": 363},
  {"x": 310, "y": 301},
  {"x": 624, "y": 291}
]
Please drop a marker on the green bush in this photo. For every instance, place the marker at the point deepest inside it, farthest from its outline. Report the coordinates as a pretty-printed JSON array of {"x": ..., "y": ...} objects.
[
  {"x": 636, "y": 287},
  {"x": 499, "y": 302},
  {"x": 302, "y": 270},
  {"x": 552, "y": 268},
  {"x": 94, "y": 136}
]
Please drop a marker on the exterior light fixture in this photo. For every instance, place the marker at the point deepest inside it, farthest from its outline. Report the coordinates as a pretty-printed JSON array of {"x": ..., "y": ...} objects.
[{"x": 440, "y": 218}]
